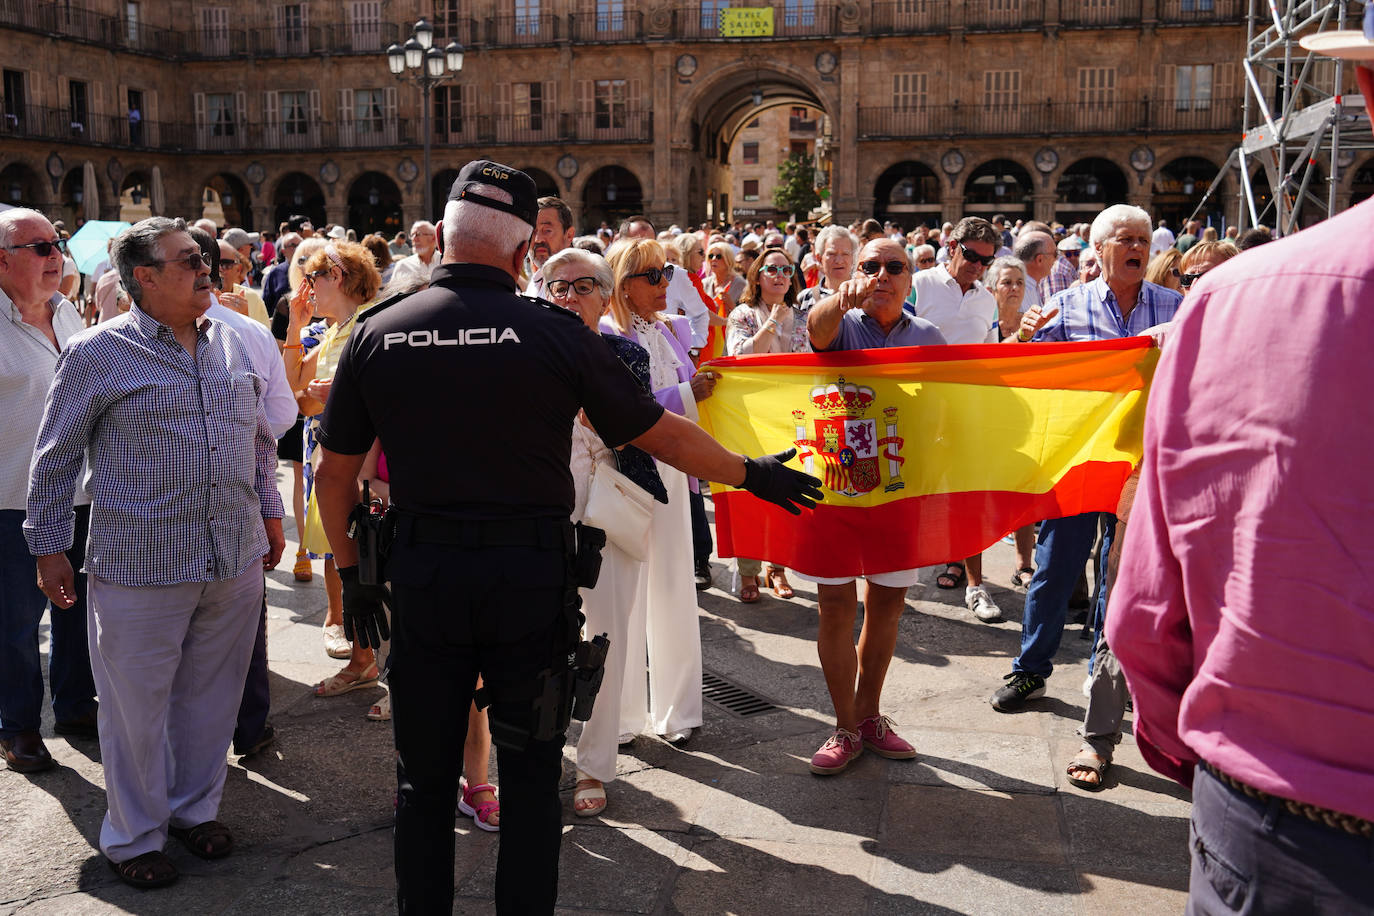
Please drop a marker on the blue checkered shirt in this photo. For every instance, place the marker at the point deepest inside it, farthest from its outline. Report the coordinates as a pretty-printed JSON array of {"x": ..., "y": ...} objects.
[
  {"x": 1090, "y": 312},
  {"x": 183, "y": 462}
]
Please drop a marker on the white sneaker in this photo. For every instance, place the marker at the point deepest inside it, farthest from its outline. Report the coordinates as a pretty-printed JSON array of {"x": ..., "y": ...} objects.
[
  {"x": 981, "y": 603},
  {"x": 677, "y": 738}
]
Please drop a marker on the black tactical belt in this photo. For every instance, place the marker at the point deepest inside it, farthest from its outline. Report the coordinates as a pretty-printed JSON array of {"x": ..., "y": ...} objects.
[
  {"x": 547, "y": 533},
  {"x": 1337, "y": 820}
]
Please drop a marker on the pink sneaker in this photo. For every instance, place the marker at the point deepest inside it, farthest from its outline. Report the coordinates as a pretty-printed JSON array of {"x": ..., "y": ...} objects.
[
  {"x": 878, "y": 734},
  {"x": 839, "y": 751}
]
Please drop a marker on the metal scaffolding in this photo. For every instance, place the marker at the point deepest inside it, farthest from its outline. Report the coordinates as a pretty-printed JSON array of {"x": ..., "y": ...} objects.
[{"x": 1297, "y": 123}]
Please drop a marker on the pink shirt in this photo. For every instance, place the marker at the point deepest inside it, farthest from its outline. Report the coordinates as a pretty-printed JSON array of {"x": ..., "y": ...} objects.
[{"x": 1243, "y": 614}]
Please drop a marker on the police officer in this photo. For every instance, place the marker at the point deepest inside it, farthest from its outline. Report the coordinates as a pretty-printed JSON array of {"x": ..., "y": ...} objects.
[{"x": 473, "y": 390}]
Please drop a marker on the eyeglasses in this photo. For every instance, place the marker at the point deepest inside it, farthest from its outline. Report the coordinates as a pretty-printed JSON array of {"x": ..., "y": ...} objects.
[
  {"x": 192, "y": 261},
  {"x": 894, "y": 267},
  {"x": 969, "y": 255},
  {"x": 773, "y": 270},
  {"x": 228, "y": 263},
  {"x": 43, "y": 249},
  {"x": 655, "y": 274},
  {"x": 1187, "y": 280},
  {"x": 583, "y": 286},
  {"x": 316, "y": 274}
]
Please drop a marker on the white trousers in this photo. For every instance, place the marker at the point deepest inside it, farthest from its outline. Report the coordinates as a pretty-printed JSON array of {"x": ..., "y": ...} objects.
[
  {"x": 169, "y": 664},
  {"x": 607, "y": 608},
  {"x": 663, "y": 621}
]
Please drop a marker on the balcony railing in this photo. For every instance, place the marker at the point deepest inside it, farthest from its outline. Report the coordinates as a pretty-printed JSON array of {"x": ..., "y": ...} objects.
[
  {"x": 38, "y": 122},
  {"x": 791, "y": 19},
  {"x": 606, "y": 25},
  {"x": 801, "y": 125},
  {"x": 1202, "y": 10},
  {"x": 531, "y": 29},
  {"x": 910, "y": 17},
  {"x": 1049, "y": 118},
  {"x": 1003, "y": 15},
  {"x": 1100, "y": 12},
  {"x": 607, "y": 127}
]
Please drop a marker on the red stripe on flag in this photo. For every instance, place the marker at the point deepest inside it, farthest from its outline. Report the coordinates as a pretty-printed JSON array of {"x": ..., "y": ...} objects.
[
  {"x": 838, "y": 540},
  {"x": 935, "y": 354}
]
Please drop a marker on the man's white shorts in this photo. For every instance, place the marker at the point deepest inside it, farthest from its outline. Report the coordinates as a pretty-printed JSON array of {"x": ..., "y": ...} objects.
[{"x": 902, "y": 578}]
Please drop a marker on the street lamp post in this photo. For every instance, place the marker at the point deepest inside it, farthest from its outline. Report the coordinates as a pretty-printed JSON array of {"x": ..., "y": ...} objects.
[{"x": 419, "y": 62}]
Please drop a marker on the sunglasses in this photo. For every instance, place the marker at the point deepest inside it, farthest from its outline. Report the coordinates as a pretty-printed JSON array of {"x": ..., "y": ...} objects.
[
  {"x": 228, "y": 263},
  {"x": 655, "y": 274},
  {"x": 1187, "y": 280},
  {"x": 773, "y": 270},
  {"x": 194, "y": 261},
  {"x": 583, "y": 286},
  {"x": 984, "y": 259},
  {"x": 43, "y": 249},
  {"x": 716, "y": 257},
  {"x": 316, "y": 274},
  {"x": 894, "y": 267},
  {"x": 925, "y": 260}
]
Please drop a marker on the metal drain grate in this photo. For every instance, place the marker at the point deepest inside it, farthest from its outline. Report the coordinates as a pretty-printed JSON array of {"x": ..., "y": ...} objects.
[{"x": 733, "y": 698}]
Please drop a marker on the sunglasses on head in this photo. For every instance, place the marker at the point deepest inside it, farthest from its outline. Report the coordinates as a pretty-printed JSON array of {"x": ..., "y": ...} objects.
[
  {"x": 655, "y": 274},
  {"x": 894, "y": 267},
  {"x": 583, "y": 286},
  {"x": 773, "y": 270},
  {"x": 1187, "y": 280},
  {"x": 970, "y": 255},
  {"x": 43, "y": 249}
]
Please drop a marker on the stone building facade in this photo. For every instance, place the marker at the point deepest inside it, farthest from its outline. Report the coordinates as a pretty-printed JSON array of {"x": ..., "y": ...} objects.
[{"x": 932, "y": 108}]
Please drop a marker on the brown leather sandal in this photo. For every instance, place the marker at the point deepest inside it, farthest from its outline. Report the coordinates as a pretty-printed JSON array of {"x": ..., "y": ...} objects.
[
  {"x": 776, "y": 579},
  {"x": 152, "y": 869},
  {"x": 210, "y": 840}
]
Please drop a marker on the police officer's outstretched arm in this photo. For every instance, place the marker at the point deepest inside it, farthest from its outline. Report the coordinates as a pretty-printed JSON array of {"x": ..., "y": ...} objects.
[{"x": 687, "y": 447}]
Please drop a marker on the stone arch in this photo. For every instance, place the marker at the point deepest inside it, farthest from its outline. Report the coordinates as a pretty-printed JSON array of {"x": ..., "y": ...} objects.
[
  {"x": 1087, "y": 186},
  {"x": 225, "y": 198},
  {"x": 135, "y": 195},
  {"x": 374, "y": 205},
  {"x": 908, "y": 192},
  {"x": 611, "y": 193},
  {"x": 545, "y": 185},
  {"x": 297, "y": 193},
  {"x": 440, "y": 185},
  {"x": 1358, "y": 183},
  {"x": 823, "y": 95},
  {"x": 979, "y": 185},
  {"x": 1177, "y": 187},
  {"x": 22, "y": 185}
]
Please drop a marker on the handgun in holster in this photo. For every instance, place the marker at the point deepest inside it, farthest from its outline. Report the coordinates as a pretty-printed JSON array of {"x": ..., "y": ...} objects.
[{"x": 370, "y": 525}]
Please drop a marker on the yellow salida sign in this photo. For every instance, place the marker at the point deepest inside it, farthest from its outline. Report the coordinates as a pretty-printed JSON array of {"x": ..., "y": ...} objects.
[{"x": 742, "y": 22}]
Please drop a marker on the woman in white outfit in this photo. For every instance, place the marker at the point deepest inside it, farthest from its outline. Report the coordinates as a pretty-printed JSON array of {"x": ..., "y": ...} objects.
[
  {"x": 664, "y": 621},
  {"x": 582, "y": 281}
]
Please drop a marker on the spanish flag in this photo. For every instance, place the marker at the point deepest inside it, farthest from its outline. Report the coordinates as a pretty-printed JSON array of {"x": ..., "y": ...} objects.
[{"x": 927, "y": 453}]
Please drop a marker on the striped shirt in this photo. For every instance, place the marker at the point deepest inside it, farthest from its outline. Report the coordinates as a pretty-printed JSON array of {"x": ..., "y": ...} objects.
[
  {"x": 1090, "y": 312},
  {"x": 1062, "y": 275},
  {"x": 27, "y": 363},
  {"x": 182, "y": 459}
]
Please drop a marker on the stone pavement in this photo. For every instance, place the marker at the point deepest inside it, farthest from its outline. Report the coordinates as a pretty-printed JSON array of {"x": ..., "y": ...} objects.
[{"x": 982, "y": 822}]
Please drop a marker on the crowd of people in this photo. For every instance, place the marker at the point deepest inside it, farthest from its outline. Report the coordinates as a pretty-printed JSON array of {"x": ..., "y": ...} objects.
[{"x": 128, "y": 384}]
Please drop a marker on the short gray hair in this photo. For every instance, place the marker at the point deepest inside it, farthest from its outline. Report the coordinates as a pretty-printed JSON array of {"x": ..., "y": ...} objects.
[
  {"x": 137, "y": 247},
  {"x": 1034, "y": 243},
  {"x": 469, "y": 225},
  {"x": 922, "y": 249},
  {"x": 420, "y": 224},
  {"x": 999, "y": 266},
  {"x": 831, "y": 234},
  {"x": 595, "y": 263},
  {"x": 10, "y": 220},
  {"x": 1113, "y": 218}
]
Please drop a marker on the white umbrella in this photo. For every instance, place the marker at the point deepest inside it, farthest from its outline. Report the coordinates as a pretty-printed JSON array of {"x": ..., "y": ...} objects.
[
  {"x": 90, "y": 192},
  {"x": 156, "y": 201}
]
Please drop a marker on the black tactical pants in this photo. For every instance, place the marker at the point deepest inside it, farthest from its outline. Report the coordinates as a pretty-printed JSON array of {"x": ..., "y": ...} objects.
[{"x": 460, "y": 611}]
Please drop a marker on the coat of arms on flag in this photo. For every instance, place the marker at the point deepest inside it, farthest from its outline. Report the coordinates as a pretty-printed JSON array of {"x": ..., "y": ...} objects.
[{"x": 847, "y": 441}]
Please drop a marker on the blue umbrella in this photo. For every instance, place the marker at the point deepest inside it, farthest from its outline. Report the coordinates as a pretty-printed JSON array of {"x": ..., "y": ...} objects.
[{"x": 87, "y": 246}]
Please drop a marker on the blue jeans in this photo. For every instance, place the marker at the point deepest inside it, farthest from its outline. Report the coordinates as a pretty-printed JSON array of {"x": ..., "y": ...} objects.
[
  {"x": 1255, "y": 857},
  {"x": 1063, "y": 546},
  {"x": 21, "y": 608}
]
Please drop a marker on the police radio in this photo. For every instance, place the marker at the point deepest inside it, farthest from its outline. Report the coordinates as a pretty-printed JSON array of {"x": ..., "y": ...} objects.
[
  {"x": 589, "y": 667},
  {"x": 365, "y": 524}
]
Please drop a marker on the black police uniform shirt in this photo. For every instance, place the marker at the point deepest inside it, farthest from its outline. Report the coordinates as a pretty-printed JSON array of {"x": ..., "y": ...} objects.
[{"x": 473, "y": 391}]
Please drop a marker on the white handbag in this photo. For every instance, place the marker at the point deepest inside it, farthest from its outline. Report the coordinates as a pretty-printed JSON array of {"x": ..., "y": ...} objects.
[{"x": 621, "y": 508}]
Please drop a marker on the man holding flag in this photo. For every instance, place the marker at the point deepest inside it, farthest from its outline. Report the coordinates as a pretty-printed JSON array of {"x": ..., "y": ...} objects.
[{"x": 864, "y": 313}]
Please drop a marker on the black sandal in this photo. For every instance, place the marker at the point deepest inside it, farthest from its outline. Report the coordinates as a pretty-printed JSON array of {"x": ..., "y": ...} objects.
[
  {"x": 210, "y": 840},
  {"x": 1021, "y": 578},
  {"x": 152, "y": 869},
  {"x": 954, "y": 581}
]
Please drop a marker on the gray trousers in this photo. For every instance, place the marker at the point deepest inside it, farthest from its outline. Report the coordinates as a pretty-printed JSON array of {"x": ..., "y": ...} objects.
[
  {"x": 169, "y": 663},
  {"x": 1107, "y": 698}
]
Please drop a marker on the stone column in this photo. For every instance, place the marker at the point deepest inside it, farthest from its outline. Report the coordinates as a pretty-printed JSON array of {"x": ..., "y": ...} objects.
[
  {"x": 1043, "y": 204},
  {"x": 661, "y": 206},
  {"x": 844, "y": 191},
  {"x": 262, "y": 218}
]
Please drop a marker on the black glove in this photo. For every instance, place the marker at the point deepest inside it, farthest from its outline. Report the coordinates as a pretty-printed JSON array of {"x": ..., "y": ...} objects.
[
  {"x": 770, "y": 479},
  {"x": 363, "y": 617}
]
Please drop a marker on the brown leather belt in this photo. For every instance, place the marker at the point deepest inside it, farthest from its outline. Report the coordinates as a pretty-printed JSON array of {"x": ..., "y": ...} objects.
[{"x": 1356, "y": 826}]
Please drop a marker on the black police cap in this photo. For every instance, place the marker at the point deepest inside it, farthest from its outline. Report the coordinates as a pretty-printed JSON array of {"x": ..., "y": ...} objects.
[{"x": 524, "y": 198}]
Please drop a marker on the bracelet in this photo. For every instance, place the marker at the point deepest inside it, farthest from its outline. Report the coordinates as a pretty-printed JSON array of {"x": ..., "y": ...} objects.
[
  {"x": 1020, "y": 338},
  {"x": 293, "y": 346}
]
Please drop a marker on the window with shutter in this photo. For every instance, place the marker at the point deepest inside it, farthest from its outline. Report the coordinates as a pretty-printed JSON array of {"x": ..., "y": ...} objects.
[
  {"x": 611, "y": 104},
  {"x": 526, "y": 17},
  {"x": 610, "y": 15},
  {"x": 291, "y": 32},
  {"x": 908, "y": 91},
  {"x": 214, "y": 30},
  {"x": 369, "y": 117},
  {"x": 365, "y": 25},
  {"x": 1193, "y": 87},
  {"x": 447, "y": 22},
  {"x": 751, "y": 189},
  {"x": 749, "y": 153}
]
